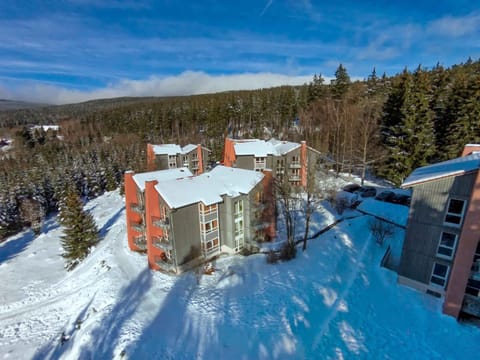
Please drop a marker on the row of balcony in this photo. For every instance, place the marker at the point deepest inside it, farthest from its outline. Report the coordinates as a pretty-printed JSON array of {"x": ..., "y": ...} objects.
[
  {"x": 140, "y": 242},
  {"x": 162, "y": 243},
  {"x": 138, "y": 208},
  {"x": 471, "y": 305}
]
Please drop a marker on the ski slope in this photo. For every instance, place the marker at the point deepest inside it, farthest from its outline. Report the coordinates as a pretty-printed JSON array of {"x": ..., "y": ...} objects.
[{"x": 333, "y": 301}]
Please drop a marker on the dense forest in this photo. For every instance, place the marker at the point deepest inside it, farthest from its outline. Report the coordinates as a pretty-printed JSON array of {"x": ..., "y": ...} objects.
[{"x": 385, "y": 125}]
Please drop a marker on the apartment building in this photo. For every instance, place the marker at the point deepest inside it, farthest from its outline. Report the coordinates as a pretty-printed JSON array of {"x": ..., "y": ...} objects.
[
  {"x": 182, "y": 221},
  {"x": 287, "y": 160},
  {"x": 171, "y": 156},
  {"x": 441, "y": 251}
]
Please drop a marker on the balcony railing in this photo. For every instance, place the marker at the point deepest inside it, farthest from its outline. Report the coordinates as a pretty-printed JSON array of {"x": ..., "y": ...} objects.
[
  {"x": 138, "y": 208},
  {"x": 471, "y": 305},
  {"x": 295, "y": 165},
  {"x": 161, "y": 243},
  {"x": 138, "y": 228},
  {"x": 140, "y": 242},
  {"x": 161, "y": 223},
  {"x": 165, "y": 263},
  {"x": 294, "y": 178},
  {"x": 259, "y": 225}
]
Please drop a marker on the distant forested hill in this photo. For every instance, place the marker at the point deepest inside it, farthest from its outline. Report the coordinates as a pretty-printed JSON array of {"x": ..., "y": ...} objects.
[{"x": 389, "y": 125}]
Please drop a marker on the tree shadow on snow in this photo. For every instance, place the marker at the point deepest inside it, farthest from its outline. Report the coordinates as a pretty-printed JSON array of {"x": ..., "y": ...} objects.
[
  {"x": 63, "y": 343},
  {"x": 108, "y": 224},
  {"x": 106, "y": 335},
  {"x": 13, "y": 247}
]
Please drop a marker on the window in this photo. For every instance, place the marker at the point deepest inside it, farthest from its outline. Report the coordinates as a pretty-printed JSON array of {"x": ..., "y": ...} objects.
[
  {"x": 455, "y": 212},
  {"x": 238, "y": 207},
  {"x": 185, "y": 161},
  {"x": 446, "y": 247},
  {"x": 260, "y": 163},
  {"x": 208, "y": 209},
  {"x": 172, "y": 161},
  {"x": 439, "y": 274},
  {"x": 209, "y": 226}
]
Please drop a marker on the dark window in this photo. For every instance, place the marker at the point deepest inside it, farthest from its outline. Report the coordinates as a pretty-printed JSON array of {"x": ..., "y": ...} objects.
[
  {"x": 439, "y": 274},
  {"x": 447, "y": 244},
  {"x": 455, "y": 211}
]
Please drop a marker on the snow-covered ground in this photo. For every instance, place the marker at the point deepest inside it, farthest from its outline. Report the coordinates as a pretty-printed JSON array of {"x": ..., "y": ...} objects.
[{"x": 333, "y": 301}]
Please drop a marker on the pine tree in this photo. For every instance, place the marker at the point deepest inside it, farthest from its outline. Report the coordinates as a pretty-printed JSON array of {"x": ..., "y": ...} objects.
[
  {"x": 80, "y": 230},
  {"x": 407, "y": 129},
  {"x": 341, "y": 82}
]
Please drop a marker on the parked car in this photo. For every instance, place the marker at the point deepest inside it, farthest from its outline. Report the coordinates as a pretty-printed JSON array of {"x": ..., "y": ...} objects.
[
  {"x": 401, "y": 199},
  {"x": 385, "y": 196},
  {"x": 367, "y": 191},
  {"x": 351, "y": 188}
]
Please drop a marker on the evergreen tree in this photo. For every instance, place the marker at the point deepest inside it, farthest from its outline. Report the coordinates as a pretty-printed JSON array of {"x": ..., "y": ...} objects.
[
  {"x": 408, "y": 126},
  {"x": 463, "y": 114},
  {"x": 80, "y": 230},
  {"x": 341, "y": 82}
]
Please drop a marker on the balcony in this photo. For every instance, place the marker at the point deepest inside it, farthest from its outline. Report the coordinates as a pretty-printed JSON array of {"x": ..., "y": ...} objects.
[
  {"x": 138, "y": 227},
  {"x": 295, "y": 165},
  {"x": 161, "y": 243},
  {"x": 260, "y": 224},
  {"x": 138, "y": 208},
  {"x": 165, "y": 263},
  {"x": 471, "y": 305},
  {"x": 140, "y": 242},
  {"x": 294, "y": 178},
  {"x": 161, "y": 223}
]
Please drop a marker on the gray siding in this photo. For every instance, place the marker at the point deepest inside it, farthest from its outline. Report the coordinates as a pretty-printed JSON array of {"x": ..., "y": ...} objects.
[
  {"x": 185, "y": 232},
  {"x": 245, "y": 162},
  {"x": 161, "y": 162},
  {"x": 225, "y": 215},
  {"x": 426, "y": 222}
]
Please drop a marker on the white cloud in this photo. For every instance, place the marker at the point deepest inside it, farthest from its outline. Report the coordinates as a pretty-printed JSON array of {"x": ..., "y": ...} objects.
[
  {"x": 455, "y": 26},
  {"x": 187, "y": 83}
]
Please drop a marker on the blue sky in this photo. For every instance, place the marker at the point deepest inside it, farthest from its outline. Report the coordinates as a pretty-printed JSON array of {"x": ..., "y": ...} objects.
[{"x": 60, "y": 51}]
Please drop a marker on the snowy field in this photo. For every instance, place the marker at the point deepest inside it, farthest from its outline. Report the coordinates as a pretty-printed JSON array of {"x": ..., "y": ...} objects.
[{"x": 333, "y": 301}]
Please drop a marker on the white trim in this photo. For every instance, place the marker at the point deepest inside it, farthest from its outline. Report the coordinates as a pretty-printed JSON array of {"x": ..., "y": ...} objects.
[
  {"x": 461, "y": 215},
  {"x": 443, "y": 256},
  {"x": 438, "y": 276}
]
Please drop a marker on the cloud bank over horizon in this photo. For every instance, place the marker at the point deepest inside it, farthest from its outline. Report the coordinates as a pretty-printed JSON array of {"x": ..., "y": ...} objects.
[{"x": 186, "y": 83}]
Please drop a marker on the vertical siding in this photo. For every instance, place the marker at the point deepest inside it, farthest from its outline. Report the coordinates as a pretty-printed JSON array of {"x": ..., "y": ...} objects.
[
  {"x": 426, "y": 222},
  {"x": 245, "y": 162},
  {"x": 185, "y": 231}
]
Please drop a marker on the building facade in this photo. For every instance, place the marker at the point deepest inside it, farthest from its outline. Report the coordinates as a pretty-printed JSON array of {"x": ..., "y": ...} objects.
[
  {"x": 187, "y": 220},
  {"x": 288, "y": 161},
  {"x": 441, "y": 251},
  {"x": 172, "y": 156}
]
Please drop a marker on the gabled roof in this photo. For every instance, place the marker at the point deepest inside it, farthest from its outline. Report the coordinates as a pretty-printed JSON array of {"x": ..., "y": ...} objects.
[
  {"x": 264, "y": 148},
  {"x": 208, "y": 188},
  {"x": 160, "y": 175},
  {"x": 455, "y": 167}
]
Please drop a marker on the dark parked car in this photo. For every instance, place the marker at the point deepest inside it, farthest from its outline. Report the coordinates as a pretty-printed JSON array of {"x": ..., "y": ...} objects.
[
  {"x": 351, "y": 188},
  {"x": 367, "y": 191},
  {"x": 401, "y": 199},
  {"x": 385, "y": 196}
]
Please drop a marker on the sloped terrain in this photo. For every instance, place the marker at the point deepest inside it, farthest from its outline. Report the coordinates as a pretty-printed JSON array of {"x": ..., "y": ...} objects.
[{"x": 333, "y": 301}]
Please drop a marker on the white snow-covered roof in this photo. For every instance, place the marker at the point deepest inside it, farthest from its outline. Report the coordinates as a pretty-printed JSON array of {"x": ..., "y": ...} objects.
[
  {"x": 172, "y": 149},
  {"x": 160, "y": 175},
  {"x": 46, "y": 127},
  {"x": 455, "y": 167},
  {"x": 188, "y": 148},
  {"x": 208, "y": 187},
  {"x": 264, "y": 148}
]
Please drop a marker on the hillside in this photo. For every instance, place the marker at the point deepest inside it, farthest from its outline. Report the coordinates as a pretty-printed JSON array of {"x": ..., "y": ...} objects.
[
  {"x": 17, "y": 105},
  {"x": 334, "y": 301}
]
